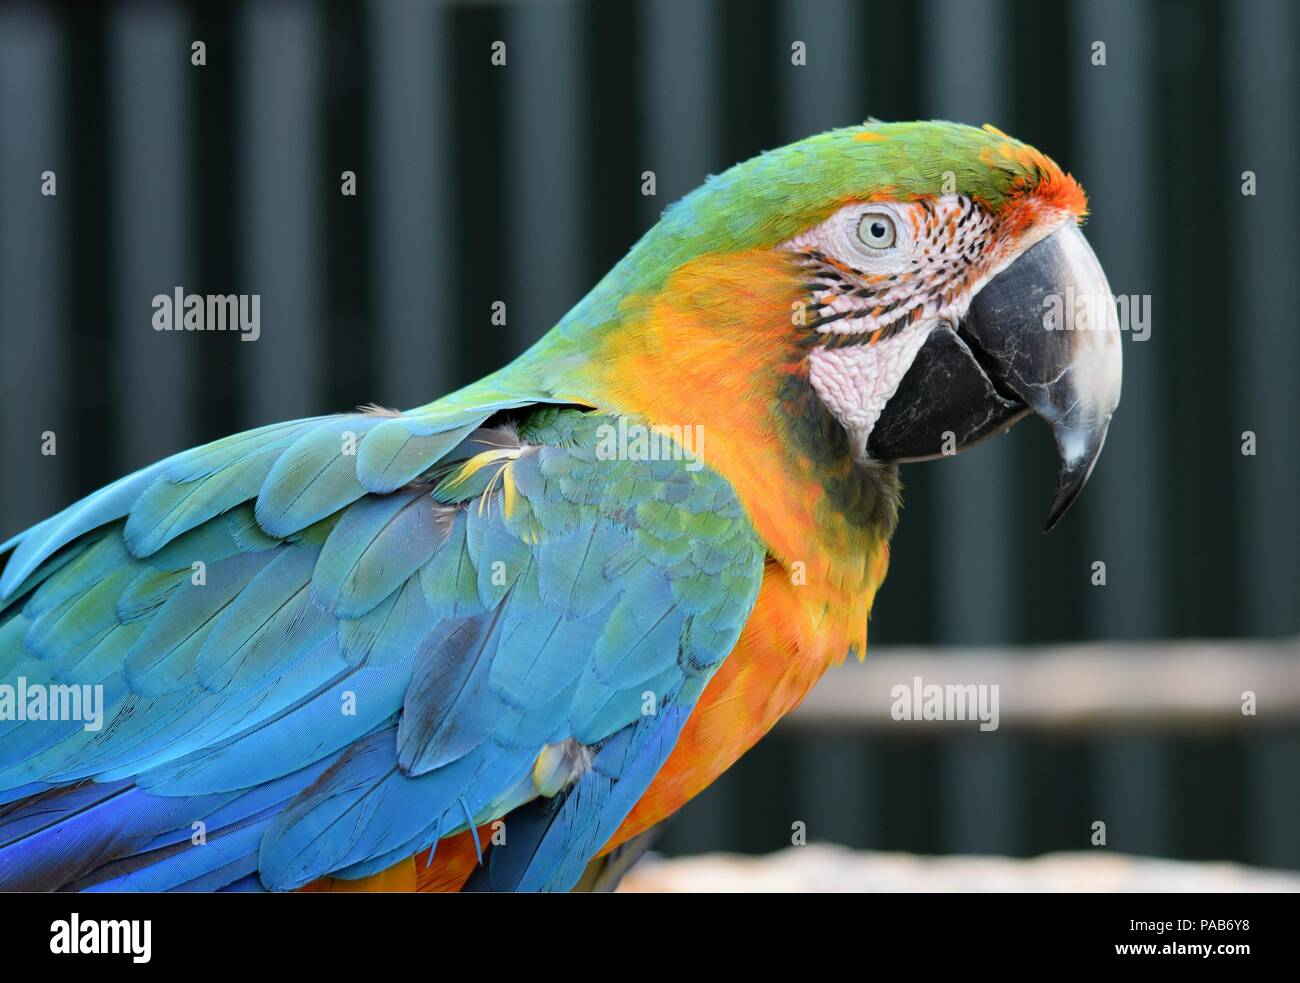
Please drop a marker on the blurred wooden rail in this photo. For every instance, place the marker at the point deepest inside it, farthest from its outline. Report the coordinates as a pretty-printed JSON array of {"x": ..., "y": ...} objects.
[
  {"x": 824, "y": 868},
  {"x": 1155, "y": 685}
]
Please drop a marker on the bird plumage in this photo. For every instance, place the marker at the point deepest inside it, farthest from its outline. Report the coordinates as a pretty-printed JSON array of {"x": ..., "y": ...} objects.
[{"x": 399, "y": 658}]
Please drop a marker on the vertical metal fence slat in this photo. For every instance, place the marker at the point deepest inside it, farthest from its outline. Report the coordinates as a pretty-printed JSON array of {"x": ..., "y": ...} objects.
[
  {"x": 32, "y": 268},
  {"x": 1262, "y": 82},
  {"x": 281, "y": 176},
  {"x": 1116, "y": 164},
  {"x": 825, "y": 92},
  {"x": 1134, "y": 793},
  {"x": 841, "y": 788},
  {"x": 974, "y": 597},
  {"x": 544, "y": 229},
  {"x": 1114, "y": 135},
  {"x": 680, "y": 57},
  {"x": 150, "y": 228},
  {"x": 413, "y": 237},
  {"x": 1272, "y": 799}
]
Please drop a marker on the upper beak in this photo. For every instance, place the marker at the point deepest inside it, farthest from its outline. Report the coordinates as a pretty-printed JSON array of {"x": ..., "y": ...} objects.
[{"x": 1042, "y": 337}]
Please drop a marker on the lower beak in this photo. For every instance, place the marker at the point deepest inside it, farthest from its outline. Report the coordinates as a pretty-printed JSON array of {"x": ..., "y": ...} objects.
[{"x": 1040, "y": 337}]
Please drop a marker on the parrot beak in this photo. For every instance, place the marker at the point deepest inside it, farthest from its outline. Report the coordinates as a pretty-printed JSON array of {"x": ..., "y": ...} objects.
[{"x": 1041, "y": 337}]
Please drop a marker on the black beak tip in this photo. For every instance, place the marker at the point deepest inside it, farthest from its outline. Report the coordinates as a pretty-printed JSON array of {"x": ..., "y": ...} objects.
[
  {"x": 1069, "y": 484},
  {"x": 1061, "y": 502}
]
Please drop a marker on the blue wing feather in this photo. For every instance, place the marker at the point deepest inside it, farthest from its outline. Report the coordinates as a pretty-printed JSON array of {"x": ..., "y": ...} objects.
[{"x": 394, "y": 615}]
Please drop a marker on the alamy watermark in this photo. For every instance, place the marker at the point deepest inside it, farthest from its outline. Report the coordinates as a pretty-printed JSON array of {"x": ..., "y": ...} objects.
[
  {"x": 651, "y": 442},
  {"x": 54, "y": 701},
  {"x": 1088, "y": 311},
  {"x": 179, "y": 311},
  {"x": 950, "y": 701},
  {"x": 75, "y": 936}
]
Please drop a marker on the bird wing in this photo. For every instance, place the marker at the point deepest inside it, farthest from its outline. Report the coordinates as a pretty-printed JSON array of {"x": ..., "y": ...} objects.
[{"x": 325, "y": 645}]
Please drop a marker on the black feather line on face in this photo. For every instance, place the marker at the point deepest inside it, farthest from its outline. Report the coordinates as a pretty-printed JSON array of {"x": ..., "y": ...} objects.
[{"x": 822, "y": 271}]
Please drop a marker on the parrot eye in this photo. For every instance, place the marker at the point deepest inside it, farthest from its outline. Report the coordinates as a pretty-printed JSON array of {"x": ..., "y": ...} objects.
[{"x": 876, "y": 230}]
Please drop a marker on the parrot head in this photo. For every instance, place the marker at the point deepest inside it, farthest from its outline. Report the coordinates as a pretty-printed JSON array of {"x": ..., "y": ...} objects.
[{"x": 923, "y": 285}]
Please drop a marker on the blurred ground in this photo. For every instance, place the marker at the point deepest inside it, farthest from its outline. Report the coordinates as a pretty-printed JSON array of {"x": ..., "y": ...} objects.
[{"x": 823, "y": 868}]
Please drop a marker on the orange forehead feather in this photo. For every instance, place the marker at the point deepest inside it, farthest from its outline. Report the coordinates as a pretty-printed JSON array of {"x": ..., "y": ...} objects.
[{"x": 1042, "y": 191}]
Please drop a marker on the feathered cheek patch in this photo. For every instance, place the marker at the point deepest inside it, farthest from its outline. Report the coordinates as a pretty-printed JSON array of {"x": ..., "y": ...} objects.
[{"x": 874, "y": 268}]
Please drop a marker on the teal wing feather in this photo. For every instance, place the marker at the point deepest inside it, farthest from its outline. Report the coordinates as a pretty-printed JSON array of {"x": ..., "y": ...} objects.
[{"x": 342, "y": 639}]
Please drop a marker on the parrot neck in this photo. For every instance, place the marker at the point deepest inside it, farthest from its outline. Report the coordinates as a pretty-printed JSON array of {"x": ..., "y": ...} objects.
[{"x": 713, "y": 351}]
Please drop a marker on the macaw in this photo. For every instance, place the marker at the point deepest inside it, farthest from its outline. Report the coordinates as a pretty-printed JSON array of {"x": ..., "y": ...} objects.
[{"x": 493, "y": 642}]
